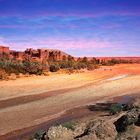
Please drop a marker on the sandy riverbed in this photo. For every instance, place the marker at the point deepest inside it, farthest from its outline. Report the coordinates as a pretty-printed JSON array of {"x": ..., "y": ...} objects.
[{"x": 30, "y": 101}]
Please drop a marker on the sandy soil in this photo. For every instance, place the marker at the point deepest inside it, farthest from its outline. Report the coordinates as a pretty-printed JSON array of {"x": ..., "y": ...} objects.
[
  {"x": 30, "y": 101},
  {"x": 35, "y": 85}
]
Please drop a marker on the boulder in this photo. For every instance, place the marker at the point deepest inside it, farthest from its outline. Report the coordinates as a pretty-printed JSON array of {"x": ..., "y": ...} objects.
[
  {"x": 99, "y": 130},
  {"x": 60, "y": 133},
  {"x": 133, "y": 115},
  {"x": 136, "y": 103},
  {"x": 79, "y": 129},
  {"x": 106, "y": 131}
]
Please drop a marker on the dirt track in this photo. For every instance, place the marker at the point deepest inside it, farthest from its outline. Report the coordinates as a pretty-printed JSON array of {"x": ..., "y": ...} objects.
[{"x": 31, "y": 101}]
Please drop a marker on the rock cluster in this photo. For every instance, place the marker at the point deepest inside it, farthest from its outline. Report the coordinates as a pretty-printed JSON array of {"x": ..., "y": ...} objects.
[
  {"x": 116, "y": 127},
  {"x": 38, "y": 55},
  {"x": 96, "y": 131}
]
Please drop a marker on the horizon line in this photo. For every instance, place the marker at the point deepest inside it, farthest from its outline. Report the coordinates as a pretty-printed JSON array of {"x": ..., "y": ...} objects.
[{"x": 21, "y": 50}]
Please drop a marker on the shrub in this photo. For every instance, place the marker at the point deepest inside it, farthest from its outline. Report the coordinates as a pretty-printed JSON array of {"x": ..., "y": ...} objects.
[
  {"x": 70, "y": 70},
  {"x": 127, "y": 107},
  {"x": 3, "y": 74},
  {"x": 14, "y": 67},
  {"x": 81, "y": 65},
  {"x": 33, "y": 67},
  {"x": 40, "y": 135},
  {"x": 70, "y": 125},
  {"x": 54, "y": 67},
  {"x": 11, "y": 66},
  {"x": 85, "y": 60},
  {"x": 115, "y": 108},
  {"x": 90, "y": 67},
  {"x": 63, "y": 64}
]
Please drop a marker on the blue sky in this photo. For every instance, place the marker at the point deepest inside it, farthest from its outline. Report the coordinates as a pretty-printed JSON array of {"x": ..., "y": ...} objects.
[{"x": 79, "y": 27}]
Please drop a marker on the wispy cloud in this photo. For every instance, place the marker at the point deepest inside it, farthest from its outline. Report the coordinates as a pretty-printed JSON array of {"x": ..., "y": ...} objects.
[
  {"x": 75, "y": 26},
  {"x": 3, "y": 42},
  {"x": 65, "y": 44}
]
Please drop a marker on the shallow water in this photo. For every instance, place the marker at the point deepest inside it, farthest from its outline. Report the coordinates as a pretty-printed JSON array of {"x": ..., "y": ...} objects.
[
  {"x": 117, "y": 77},
  {"x": 126, "y": 99}
]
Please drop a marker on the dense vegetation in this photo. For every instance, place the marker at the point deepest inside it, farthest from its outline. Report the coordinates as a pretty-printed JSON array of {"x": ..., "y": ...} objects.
[
  {"x": 34, "y": 67},
  {"x": 28, "y": 66}
]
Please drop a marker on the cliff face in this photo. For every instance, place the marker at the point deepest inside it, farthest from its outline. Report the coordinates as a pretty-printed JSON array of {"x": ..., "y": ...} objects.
[
  {"x": 4, "y": 49},
  {"x": 37, "y": 55}
]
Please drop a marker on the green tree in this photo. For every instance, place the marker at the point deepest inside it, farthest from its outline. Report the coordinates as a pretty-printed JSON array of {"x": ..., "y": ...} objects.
[
  {"x": 32, "y": 67},
  {"x": 85, "y": 60}
]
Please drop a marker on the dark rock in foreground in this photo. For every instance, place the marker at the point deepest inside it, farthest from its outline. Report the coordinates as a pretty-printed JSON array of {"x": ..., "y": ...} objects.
[{"x": 122, "y": 126}]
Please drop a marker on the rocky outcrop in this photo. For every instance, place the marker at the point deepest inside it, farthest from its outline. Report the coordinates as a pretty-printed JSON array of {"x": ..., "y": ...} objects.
[
  {"x": 5, "y": 50},
  {"x": 37, "y": 55},
  {"x": 99, "y": 130},
  {"x": 136, "y": 103},
  {"x": 106, "y": 131},
  {"x": 120, "y": 126},
  {"x": 53, "y": 54},
  {"x": 96, "y": 131}
]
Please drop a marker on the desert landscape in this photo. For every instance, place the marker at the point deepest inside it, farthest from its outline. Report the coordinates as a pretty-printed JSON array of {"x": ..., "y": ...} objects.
[
  {"x": 69, "y": 70},
  {"x": 31, "y": 101}
]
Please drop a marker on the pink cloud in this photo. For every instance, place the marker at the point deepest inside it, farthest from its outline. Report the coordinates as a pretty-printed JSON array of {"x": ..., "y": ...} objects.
[
  {"x": 73, "y": 46},
  {"x": 64, "y": 44},
  {"x": 3, "y": 42}
]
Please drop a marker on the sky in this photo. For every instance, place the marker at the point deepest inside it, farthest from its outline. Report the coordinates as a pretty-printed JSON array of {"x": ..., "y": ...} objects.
[{"x": 78, "y": 27}]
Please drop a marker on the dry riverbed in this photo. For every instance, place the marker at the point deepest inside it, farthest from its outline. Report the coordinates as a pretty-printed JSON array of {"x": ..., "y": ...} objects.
[{"x": 32, "y": 101}]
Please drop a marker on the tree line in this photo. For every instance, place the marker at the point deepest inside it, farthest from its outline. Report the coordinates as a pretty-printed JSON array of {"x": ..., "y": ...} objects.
[{"x": 34, "y": 67}]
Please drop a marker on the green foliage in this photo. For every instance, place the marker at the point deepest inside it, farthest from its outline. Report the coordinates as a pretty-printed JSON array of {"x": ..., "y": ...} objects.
[
  {"x": 114, "y": 61},
  {"x": 94, "y": 61},
  {"x": 39, "y": 135},
  {"x": 85, "y": 60},
  {"x": 54, "y": 67},
  {"x": 14, "y": 66},
  {"x": 63, "y": 64},
  {"x": 70, "y": 125},
  {"x": 70, "y": 58},
  {"x": 5, "y": 56},
  {"x": 81, "y": 63},
  {"x": 33, "y": 67},
  {"x": 91, "y": 67},
  {"x": 11, "y": 66},
  {"x": 115, "y": 108}
]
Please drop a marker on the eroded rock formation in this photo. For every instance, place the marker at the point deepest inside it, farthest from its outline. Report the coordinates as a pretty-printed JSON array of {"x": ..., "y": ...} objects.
[
  {"x": 38, "y": 55},
  {"x": 50, "y": 54}
]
